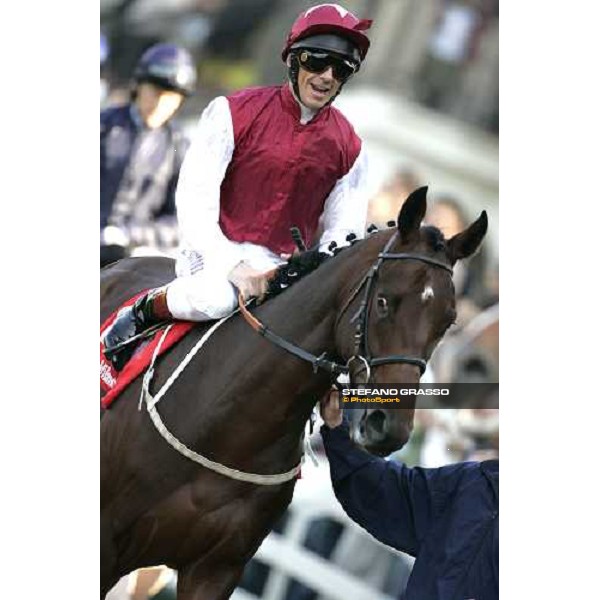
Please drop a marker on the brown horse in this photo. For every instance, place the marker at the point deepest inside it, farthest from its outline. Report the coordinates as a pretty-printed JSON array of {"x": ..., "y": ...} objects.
[{"x": 244, "y": 402}]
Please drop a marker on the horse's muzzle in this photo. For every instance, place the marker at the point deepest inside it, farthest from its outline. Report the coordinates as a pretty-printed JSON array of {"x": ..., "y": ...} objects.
[{"x": 376, "y": 435}]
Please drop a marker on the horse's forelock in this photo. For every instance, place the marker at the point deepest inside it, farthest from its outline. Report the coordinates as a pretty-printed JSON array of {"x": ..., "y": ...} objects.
[{"x": 434, "y": 238}]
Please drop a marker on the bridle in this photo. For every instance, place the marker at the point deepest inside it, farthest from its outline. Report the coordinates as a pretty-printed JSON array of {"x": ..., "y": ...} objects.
[{"x": 362, "y": 351}]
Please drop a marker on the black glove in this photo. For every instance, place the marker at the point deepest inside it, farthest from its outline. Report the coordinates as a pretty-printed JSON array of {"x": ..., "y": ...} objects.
[
  {"x": 306, "y": 262},
  {"x": 297, "y": 267}
]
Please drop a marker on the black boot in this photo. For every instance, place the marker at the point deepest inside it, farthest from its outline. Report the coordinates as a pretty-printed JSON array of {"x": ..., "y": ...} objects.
[{"x": 146, "y": 312}]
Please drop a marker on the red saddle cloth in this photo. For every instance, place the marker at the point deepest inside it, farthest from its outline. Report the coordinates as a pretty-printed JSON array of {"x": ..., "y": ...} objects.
[{"x": 113, "y": 382}]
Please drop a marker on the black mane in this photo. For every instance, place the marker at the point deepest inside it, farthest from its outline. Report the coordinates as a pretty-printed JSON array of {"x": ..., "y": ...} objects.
[{"x": 306, "y": 262}]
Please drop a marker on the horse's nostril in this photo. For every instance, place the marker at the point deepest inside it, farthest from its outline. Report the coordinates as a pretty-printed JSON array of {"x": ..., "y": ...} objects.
[
  {"x": 376, "y": 426},
  {"x": 361, "y": 427}
]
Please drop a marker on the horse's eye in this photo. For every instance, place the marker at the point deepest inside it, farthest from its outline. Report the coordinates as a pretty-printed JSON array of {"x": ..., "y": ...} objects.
[{"x": 382, "y": 306}]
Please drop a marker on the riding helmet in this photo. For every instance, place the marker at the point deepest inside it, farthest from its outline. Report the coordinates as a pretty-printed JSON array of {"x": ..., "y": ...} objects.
[
  {"x": 168, "y": 66},
  {"x": 329, "y": 19}
]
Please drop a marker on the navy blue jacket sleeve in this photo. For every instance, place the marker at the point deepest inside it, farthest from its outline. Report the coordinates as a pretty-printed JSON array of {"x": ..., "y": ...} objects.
[
  {"x": 106, "y": 194},
  {"x": 395, "y": 503},
  {"x": 104, "y": 126}
]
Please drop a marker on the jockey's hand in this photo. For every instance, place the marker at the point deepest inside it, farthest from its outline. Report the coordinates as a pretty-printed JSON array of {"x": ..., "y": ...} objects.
[
  {"x": 331, "y": 412},
  {"x": 286, "y": 255},
  {"x": 250, "y": 282}
]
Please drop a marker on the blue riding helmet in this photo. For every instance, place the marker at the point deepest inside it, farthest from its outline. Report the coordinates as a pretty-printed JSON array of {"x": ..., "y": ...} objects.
[{"x": 167, "y": 66}]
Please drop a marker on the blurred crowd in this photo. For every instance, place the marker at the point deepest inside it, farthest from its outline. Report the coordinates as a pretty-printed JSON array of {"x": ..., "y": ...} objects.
[
  {"x": 445, "y": 51},
  {"x": 451, "y": 435}
]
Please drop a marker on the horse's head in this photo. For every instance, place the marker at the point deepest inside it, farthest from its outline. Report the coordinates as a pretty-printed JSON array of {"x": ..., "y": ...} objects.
[{"x": 398, "y": 313}]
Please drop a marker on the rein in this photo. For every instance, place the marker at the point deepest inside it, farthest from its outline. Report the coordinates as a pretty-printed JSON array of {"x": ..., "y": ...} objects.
[
  {"x": 318, "y": 362},
  {"x": 362, "y": 352}
]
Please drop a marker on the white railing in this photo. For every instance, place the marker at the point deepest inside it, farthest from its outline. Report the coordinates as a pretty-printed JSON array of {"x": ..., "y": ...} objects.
[{"x": 287, "y": 559}]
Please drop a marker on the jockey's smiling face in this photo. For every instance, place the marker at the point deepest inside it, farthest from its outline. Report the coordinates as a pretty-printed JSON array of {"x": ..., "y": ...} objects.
[{"x": 317, "y": 89}]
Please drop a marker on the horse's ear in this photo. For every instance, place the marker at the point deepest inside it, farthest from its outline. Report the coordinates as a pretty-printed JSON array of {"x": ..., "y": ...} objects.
[
  {"x": 412, "y": 213},
  {"x": 463, "y": 244}
]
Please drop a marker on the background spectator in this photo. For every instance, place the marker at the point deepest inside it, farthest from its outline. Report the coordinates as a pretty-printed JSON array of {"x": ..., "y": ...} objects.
[
  {"x": 141, "y": 152},
  {"x": 447, "y": 214},
  {"x": 452, "y": 44},
  {"x": 386, "y": 204}
]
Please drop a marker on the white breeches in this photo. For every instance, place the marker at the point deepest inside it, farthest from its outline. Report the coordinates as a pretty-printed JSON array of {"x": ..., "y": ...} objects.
[{"x": 203, "y": 294}]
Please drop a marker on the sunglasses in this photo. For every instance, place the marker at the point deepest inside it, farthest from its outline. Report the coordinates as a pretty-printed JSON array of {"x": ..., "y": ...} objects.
[{"x": 317, "y": 62}]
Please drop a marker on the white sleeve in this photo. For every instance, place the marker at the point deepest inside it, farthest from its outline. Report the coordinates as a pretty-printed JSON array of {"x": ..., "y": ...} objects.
[
  {"x": 199, "y": 187},
  {"x": 345, "y": 209}
]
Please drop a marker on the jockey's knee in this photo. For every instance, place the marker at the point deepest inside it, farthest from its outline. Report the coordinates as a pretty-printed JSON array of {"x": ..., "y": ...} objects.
[{"x": 195, "y": 299}]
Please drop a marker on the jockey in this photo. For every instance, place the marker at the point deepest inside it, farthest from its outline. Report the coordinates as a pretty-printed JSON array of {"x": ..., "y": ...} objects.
[
  {"x": 263, "y": 160},
  {"x": 141, "y": 150}
]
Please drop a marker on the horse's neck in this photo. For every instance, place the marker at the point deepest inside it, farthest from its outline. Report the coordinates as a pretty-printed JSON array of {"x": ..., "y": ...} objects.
[
  {"x": 306, "y": 315},
  {"x": 280, "y": 390},
  {"x": 264, "y": 394}
]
